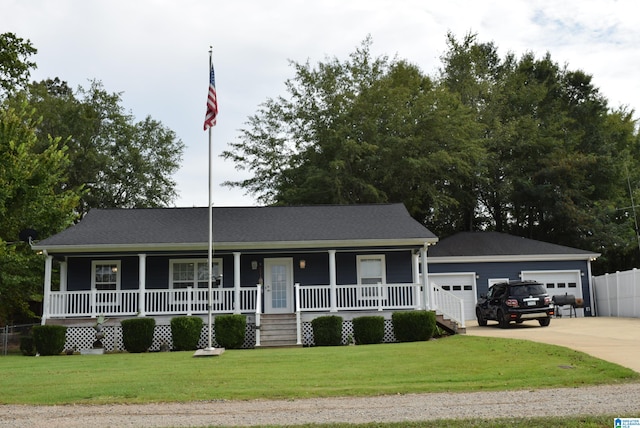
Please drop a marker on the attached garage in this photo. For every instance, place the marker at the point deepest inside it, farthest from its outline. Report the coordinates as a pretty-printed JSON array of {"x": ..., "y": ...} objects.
[
  {"x": 559, "y": 283},
  {"x": 462, "y": 285},
  {"x": 467, "y": 263}
]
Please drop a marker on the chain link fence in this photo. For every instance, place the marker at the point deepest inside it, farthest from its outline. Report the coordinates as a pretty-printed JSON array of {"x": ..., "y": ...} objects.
[{"x": 10, "y": 338}]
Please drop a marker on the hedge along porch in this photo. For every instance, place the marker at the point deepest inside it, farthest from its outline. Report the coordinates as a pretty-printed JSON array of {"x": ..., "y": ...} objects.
[{"x": 152, "y": 262}]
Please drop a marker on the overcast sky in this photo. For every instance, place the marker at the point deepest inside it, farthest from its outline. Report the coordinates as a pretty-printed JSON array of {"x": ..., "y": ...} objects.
[{"x": 156, "y": 53}]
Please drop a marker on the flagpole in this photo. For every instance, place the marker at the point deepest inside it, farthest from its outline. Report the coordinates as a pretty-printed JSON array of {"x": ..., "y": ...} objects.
[{"x": 210, "y": 247}]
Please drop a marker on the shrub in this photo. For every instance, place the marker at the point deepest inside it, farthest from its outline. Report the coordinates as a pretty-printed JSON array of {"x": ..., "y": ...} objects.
[
  {"x": 368, "y": 330},
  {"x": 27, "y": 346},
  {"x": 137, "y": 334},
  {"x": 327, "y": 330},
  {"x": 230, "y": 331},
  {"x": 413, "y": 326},
  {"x": 49, "y": 339},
  {"x": 185, "y": 332}
]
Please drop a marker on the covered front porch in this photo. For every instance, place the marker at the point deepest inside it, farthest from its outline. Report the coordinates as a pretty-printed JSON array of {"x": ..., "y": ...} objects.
[{"x": 78, "y": 308}]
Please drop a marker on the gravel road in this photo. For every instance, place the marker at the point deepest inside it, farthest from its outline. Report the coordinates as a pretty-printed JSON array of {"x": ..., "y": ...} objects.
[{"x": 610, "y": 399}]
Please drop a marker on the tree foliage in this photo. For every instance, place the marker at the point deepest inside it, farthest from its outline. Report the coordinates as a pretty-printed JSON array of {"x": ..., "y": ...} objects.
[
  {"x": 30, "y": 198},
  {"x": 519, "y": 145},
  {"x": 15, "y": 65},
  {"x": 63, "y": 152},
  {"x": 118, "y": 161}
]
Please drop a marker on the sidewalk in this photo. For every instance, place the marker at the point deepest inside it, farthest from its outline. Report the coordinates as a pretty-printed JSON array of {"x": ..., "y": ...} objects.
[{"x": 611, "y": 339}]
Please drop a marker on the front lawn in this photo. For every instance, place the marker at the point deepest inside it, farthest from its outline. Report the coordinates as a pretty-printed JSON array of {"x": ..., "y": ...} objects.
[{"x": 459, "y": 363}]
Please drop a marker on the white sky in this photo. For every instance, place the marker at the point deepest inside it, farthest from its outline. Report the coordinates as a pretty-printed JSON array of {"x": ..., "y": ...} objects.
[{"x": 156, "y": 53}]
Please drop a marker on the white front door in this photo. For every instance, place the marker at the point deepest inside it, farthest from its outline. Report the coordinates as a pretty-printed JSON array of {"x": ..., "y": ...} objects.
[{"x": 278, "y": 285}]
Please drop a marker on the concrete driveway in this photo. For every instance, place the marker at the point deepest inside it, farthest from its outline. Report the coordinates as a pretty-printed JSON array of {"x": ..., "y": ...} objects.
[{"x": 611, "y": 339}]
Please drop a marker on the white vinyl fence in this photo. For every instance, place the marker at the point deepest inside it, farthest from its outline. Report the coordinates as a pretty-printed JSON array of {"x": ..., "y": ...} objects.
[{"x": 618, "y": 294}]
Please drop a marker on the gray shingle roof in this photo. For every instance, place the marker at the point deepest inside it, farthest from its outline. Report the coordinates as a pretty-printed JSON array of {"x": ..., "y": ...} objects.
[
  {"x": 485, "y": 244},
  {"x": 382, "y": 223}
]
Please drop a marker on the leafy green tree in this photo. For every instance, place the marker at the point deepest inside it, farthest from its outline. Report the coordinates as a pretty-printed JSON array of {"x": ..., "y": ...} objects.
[
  {"x": 361, "y": 131},
  {"x": 556, "y": 153},
  {"x": 119, "y": 162},
  {"x": 30, "y": 198},
  {"x": 14, "y": 62}
]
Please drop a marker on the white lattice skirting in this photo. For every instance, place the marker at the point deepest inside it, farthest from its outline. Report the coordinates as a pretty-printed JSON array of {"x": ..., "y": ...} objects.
[{"x": 83, "y": 337}]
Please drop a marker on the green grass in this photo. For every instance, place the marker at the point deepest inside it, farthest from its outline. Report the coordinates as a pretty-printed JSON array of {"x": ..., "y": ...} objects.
[{"x": 459, "y": 363}]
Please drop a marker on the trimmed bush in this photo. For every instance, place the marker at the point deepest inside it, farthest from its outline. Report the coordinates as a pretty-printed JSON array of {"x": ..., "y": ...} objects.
[
  {"x": 413, "y": 326},
  {"x": 49, "y": 339},
  {"x": 137, "y": 334},
  {"x": 230, "y": 331},
  {"x": 327, "y": 330},
  {"x": 27, "y": 346},
  {"x": 185, "y": 332},
  {"x": 368, "y": 330}
]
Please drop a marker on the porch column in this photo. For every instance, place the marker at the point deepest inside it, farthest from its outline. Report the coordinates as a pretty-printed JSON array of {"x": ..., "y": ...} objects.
[
  {"x": 236, "y": 283},
  {"x": 46, "y": 301},
  {"x": 142, "y": 283},
  {"x": 415, "y": 260},
  {"x": 332, "y": 281},
  {"x": 63, "y": 275},
  {"x": 427, "y": 292}
]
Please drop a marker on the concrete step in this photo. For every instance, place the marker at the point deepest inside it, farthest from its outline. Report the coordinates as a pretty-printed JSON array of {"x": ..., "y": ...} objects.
[{"x": 278, "y": 330}]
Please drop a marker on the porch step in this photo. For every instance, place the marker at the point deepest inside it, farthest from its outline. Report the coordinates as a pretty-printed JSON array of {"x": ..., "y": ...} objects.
[
  {"x": 449, "y": 325},
  {"x": 278, "y": 330}
]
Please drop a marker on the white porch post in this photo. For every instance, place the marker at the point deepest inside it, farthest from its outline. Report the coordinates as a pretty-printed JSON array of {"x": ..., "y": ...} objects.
[
  {"x": 415, "y": 259},
  {"x": 332, "y": 281},
  {"x": 142, "y": 283},
  {"x": 427, "y": 292},
  {"x": 236, "y": 283},
  {"x": 63, "y": 275},
  {"x": 48, "y": 264}
]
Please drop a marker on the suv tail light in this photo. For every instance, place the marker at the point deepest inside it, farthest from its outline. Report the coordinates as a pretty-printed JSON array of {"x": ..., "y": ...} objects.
[
  {"x": 512, "y": 303},
  {"x": 547, "y": 300}
]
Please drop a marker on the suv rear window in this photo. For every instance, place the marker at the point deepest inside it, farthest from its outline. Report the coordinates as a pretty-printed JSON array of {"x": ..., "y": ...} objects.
[{"x": 527, "y": 290}]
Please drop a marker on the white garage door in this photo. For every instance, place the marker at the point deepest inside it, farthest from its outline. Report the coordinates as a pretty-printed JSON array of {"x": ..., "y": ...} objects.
[
  {"x": 559, "y": 283},
  {"x": 462, "y": 285}
]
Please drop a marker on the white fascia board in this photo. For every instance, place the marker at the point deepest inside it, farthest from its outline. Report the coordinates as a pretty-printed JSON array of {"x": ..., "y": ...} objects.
[
  {"x": 513, "y": 258},
  {"x": 274, "y": 245}
]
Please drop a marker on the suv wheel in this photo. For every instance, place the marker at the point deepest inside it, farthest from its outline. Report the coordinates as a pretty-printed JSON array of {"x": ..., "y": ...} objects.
[
  {"x": 544, "y": 322},
  {"x": 481, "y": 320},
  {"x": 502, "y": 321}
]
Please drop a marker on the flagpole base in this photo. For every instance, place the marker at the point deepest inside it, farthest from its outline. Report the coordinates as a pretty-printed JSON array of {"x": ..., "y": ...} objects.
[{"x": 208, "y": 352}]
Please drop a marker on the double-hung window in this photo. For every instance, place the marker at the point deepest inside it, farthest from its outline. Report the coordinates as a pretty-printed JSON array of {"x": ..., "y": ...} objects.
[
  {"x": 371, "y": 272},
  {"x": 105, "y": 279},
  {"x": 106, "y": 275},
  {"x": 194, "y": 273}
]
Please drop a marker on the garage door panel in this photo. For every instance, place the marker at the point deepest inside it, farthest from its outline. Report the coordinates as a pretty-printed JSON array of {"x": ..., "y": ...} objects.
[
  {"x": 461, "y": 286},
  {"x": 559, "y": 283}
]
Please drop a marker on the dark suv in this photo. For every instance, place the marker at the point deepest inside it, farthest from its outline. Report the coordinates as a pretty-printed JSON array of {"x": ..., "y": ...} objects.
[{"x": 515, "y": 301}]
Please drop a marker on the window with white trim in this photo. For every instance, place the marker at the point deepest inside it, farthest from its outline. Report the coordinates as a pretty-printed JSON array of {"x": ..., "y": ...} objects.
[
  {"x": 105, "y": 275},
  {"x": 194, "y": 273},
  {"x": 371, "y": 271}
]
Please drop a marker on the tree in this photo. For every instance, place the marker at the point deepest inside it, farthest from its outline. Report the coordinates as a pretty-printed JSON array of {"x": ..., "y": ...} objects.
[
  {"x": 118, "y": 161},
  {"x": 30, "y": 198},
  {"x": 14, "y": 62},
  {"x": 556, "y": 154},
  {"x": 361, "y": 131}
]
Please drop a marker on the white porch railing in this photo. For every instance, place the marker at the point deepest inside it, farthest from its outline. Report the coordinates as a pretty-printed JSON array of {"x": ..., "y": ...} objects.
[
  {"x": 186, "y": 301},
  {"x": 356, "y": 297},
  {"x": 448, "y": 304},
  {"x": 193, "y": 301}
]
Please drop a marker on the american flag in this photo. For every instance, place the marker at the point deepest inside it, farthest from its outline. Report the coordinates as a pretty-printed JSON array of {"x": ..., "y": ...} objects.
[{"x": 212, "y": 101}]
